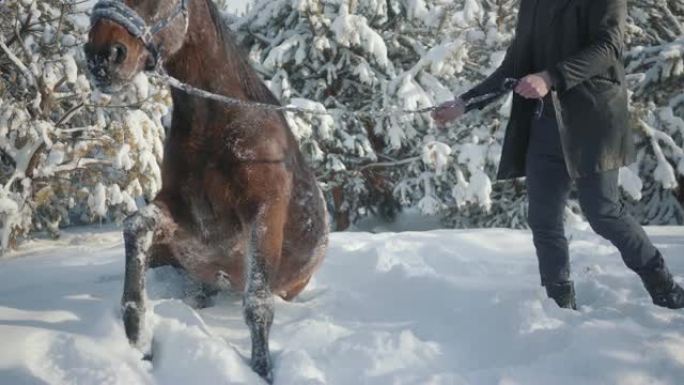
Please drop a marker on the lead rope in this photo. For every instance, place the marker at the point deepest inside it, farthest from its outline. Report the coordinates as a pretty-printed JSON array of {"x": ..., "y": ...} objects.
[
  {"x": 507, "y": 85},
  {"x": 125, "y": 16}
]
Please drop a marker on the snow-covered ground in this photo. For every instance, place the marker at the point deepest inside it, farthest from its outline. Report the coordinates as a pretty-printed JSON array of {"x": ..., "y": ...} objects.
[{"x": 439, "y": 307}]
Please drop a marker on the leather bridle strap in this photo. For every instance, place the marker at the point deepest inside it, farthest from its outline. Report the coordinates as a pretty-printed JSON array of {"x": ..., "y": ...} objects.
[{"x": 125, "y": 16}]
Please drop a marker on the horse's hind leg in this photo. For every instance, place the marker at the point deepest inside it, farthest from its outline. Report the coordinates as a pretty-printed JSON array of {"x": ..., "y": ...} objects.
[
  {"x": 139, "y": 234},
  {"x": 265, "y": 246},
  {"x": 258, "y": 312}
]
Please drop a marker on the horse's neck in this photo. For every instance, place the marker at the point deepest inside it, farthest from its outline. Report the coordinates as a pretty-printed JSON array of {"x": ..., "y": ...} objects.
[{"x": 202, "y": 61}]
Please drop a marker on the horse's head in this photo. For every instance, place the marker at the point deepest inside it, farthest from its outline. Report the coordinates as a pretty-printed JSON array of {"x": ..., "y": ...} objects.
[{"x": 127, "y": 37}]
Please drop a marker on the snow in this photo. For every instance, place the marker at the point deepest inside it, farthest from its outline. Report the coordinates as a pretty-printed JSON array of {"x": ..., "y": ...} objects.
[
  {"x": 8, "y": 206},
  {"x": 429, "y": 204},
  {"x": 114, "y": 194},
  {"x": 281, "y": 54},
  {"x": 438, "y": 307},
  {"x": 364, "y": 73},
  {"x": 44, "y": 145},
  {"x": 416, "y": 9},
  {"x": 142, "y": 85},
  {"x": 353, "y": 31},
  {"x": 238, "y": 7},
  {"x": 412, "y": 94},
  {"x": 301, "y": 123},
  {"x": 630, "y": 183},
  {"x": 70, "y": 68},
  {"x": 444, "y": 59},
  {"x": 122, "y": 160},
  {"x": 479, "y": 190},
  {"x": 98, "y": 201},
  {"x": 436, "y": 154}
]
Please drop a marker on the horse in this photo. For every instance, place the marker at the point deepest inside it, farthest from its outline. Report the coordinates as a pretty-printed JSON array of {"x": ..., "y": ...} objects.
[{"x": 239, "y": 205}]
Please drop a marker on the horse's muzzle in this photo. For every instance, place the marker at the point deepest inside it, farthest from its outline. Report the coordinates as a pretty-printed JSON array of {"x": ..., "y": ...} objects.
[{"x": 102, "y": 71}]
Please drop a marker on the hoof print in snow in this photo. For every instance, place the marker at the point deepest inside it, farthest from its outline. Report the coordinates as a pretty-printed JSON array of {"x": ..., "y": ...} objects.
[
  {"x": 202, "y": 298},
  {"x": 201, "y": 302}
]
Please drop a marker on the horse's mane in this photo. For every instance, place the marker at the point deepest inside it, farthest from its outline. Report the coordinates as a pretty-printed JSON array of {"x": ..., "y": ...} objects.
[{"x": 251, "y": 83}]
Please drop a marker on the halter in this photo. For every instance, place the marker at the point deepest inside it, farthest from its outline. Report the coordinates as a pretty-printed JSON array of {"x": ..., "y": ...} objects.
[{"x": 125, "y": 16}]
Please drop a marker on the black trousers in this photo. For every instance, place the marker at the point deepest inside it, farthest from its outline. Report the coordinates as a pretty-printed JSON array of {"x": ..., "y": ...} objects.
[{"x": 548, "y": 185}]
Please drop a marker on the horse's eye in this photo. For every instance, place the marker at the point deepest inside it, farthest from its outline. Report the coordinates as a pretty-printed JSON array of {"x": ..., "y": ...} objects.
[{"x": 117, "y": 54}]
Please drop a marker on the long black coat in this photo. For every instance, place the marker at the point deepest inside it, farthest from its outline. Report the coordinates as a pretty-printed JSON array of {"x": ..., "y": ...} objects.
[{"x": 590, "y": 97}]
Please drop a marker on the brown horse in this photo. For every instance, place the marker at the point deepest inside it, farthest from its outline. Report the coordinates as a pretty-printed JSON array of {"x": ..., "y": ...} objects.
[{"x": 238, "y": 203}]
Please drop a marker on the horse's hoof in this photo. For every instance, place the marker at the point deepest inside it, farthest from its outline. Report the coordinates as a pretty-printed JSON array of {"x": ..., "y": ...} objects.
[
  {"x": 263, "y": 369},
  {"x": 268, "y": 377},
  {"x": 132, "y": 320}
]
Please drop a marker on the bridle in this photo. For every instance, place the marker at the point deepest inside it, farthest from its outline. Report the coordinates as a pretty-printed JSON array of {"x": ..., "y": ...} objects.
[{"x": 125, "y": 16}]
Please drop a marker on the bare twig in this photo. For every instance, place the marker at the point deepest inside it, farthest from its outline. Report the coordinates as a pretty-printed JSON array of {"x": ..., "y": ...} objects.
[
  {"x": 15, "y": 60},
  {"x": 390, "y": 164},
  {"x": 69, "y": 114},
  {"x": 24, "y": 27},
  {"x": 60, "y": 25},
  {"x": 80, "y": 163}
]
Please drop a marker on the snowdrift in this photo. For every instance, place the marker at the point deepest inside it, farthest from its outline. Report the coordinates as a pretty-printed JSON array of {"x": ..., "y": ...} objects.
[{"x": 439, "y": 307}]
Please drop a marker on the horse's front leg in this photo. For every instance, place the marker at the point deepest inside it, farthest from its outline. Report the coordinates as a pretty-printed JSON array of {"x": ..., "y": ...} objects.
[
  {"x": 139, "y": 234},
  {"x": 263, "y": 259}
]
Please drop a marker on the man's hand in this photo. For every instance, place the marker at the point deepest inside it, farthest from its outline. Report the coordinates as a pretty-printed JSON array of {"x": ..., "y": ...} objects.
[
  {"x": 449, "y": 111},
  {"x": 534, "y": 86}
]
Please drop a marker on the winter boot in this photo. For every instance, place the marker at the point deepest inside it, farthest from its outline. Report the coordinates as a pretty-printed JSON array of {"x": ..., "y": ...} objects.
[
  {"x": 563, "y": 293},
  {"x": 659, "y": 283}
]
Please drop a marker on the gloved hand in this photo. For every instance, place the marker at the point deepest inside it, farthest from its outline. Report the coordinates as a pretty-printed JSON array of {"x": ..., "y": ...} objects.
[
  {"x": 449, "y": 111},
  {"x": 534, "y": 86}
]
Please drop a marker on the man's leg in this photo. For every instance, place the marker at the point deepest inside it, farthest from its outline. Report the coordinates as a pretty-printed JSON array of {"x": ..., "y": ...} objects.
[
  {"x": 548, "y": 186},
  {"x": 600, "y": 201}
]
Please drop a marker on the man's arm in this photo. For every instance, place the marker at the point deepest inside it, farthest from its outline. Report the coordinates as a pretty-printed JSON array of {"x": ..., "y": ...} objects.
[
  {"x": 607, "y": 19},
  {"x": 454, "y": 109},
  {"x": 494, "y": 81}
]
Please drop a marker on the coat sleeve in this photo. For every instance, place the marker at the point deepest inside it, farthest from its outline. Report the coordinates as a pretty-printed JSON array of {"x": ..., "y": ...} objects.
[
  {"x": 607, "y": 19},
  {"x": 494, "y": 81}
]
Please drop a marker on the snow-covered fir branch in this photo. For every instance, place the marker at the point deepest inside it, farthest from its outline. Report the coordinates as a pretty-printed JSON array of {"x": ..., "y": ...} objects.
[
  {"x": 60, "y": 144},
  {"x": 69, "y": 154},
  {"x": 366, "y": 55}
]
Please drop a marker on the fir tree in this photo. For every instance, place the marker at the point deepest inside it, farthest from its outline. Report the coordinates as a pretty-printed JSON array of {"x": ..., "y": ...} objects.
[
  {"x": 364, "y": 56},
  {"x": 68, "y": 154},
  {"x": 368, "y": 55}
]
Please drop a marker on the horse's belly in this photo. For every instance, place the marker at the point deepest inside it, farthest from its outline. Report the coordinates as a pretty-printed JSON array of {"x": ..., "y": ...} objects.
[
  {"x": 305, "y": 243},
  {"x": 217, "y": 265},
  {"x": 212, "y": 249}
]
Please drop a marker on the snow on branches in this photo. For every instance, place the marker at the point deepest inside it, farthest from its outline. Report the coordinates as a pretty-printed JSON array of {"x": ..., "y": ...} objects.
[
  {"x": 367, "y": 55},
  {"x": 68, "y": 154},
  {"x": 370, "y": 55},
  {"x": 655, "y": 67}
]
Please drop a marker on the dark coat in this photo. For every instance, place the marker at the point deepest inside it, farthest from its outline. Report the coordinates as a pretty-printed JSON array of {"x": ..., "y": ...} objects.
[{"x": 589, "y": 92}]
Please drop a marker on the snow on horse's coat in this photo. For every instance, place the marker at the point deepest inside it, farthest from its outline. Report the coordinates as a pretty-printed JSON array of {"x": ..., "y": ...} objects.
[{"x": 238, "y": 201}]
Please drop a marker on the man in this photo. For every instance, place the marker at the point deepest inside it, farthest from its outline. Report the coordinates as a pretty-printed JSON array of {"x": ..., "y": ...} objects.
[{"x": 568, "y": 53}]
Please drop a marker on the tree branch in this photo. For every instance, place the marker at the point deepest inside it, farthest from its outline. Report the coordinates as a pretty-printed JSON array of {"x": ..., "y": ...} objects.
[{"x": 15, "y": 60}]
